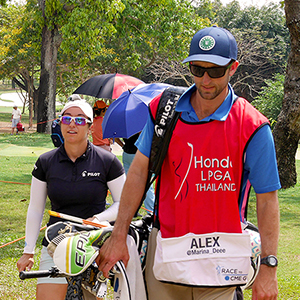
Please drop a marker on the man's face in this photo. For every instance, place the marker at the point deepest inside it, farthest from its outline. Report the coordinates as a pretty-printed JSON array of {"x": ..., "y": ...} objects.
[{"x": 210, "y": 88}]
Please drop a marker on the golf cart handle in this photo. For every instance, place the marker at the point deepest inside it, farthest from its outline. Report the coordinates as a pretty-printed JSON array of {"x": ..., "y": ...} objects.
[{"x": 53, "y": 272}]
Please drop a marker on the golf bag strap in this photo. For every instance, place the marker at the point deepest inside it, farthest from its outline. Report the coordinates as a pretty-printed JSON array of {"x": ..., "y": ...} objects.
[{"x": 164, "y": 123}]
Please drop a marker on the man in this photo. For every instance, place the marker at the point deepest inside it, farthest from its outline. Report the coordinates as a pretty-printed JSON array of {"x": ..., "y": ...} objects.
[
  {"x": 15, "y": 118},
  {"x": 219, "y": 146}
]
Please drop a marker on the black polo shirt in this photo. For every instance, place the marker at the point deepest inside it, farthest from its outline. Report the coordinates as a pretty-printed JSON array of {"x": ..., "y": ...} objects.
[{"x": 77, "y": 188}]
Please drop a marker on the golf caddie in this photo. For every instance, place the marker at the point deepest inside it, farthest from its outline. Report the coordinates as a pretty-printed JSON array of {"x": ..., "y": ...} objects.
[{"x": 220, "y": 146}]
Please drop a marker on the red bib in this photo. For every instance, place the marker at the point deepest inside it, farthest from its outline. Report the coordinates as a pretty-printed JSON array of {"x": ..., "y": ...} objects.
[{"x": 201, "y": 176}]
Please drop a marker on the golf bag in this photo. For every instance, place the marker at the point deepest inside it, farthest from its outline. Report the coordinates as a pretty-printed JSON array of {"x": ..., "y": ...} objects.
[
  {"x": 20, "y": 127},
  {"x": 56, "y": 135},
  {"x": 74, "y": 248}
]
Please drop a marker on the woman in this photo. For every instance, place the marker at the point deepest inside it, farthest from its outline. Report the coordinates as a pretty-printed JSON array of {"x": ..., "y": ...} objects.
[{"x": 75, "y": 177}]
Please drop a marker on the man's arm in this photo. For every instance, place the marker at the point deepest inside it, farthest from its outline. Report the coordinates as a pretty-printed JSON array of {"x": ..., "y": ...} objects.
[
  {"x": 115, "y": 248},
  {"x": 265, "y": 286}
]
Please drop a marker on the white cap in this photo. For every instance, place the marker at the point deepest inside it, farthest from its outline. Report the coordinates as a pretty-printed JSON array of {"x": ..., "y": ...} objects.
[
  {"x": 76, "y": 101},
  {"x": 74, "y": 97}
]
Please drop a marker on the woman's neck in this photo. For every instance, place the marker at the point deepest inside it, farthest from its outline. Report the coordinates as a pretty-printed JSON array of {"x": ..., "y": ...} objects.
[{"x": 74, "y": 150}]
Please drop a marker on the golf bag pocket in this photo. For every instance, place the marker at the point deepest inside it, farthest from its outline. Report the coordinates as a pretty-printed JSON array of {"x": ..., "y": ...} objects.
[{"x": 204, "y": 260}]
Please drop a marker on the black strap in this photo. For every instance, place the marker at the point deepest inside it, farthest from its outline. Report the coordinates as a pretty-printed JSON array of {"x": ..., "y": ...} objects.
[{"x": 164, "y": 123}]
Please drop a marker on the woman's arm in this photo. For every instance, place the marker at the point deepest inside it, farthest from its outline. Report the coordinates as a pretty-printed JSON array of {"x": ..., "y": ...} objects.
[
  {"x": 38, "y": 196},
  {"x": 115, "y": 186}
]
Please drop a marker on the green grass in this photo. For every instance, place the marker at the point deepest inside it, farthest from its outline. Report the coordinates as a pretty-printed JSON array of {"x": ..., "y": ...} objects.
[
  {"x": 289, "y": 242},
  {"x": 14, "y": 200}
]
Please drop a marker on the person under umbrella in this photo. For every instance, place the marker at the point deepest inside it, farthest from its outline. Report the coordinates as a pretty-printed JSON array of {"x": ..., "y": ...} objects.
[
  {"x": 129, "y": 150},
  {"x": 99, "y": 110}
]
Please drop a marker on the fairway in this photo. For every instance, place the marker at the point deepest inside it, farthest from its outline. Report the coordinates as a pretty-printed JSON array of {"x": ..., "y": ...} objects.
[{"x": 14, "y": 150}]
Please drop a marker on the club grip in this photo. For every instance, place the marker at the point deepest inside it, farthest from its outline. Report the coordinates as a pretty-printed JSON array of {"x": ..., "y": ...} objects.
[{"x": 53, "y": 272}]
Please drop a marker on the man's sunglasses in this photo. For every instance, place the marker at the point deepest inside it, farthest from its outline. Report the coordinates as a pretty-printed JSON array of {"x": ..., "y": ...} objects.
[
  {"x": 213, "y": 72},
  {"x": 81, "y": 121}
]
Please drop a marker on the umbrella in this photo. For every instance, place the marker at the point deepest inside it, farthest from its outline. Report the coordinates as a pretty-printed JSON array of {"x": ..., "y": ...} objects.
[
  {"x": 109, "y": 86},
  {"x": 128, "y": 114}
]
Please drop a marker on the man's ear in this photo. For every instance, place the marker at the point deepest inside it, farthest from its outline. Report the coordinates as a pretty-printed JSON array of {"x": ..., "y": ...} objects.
[{"x": 233, "y": 68}]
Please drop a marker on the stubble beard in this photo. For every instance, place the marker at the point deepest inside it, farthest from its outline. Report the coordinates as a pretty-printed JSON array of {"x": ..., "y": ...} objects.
[{"x": 211, "y": 95}]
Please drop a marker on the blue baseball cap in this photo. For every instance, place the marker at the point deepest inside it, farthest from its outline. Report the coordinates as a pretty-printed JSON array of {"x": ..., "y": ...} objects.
[{"x": 213, "y": 44}]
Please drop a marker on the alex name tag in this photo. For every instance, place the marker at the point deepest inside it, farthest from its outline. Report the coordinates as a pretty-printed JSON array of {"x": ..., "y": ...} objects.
[
  {"x": 192, "y": 246},
  {"x": 216, "y": 259}
]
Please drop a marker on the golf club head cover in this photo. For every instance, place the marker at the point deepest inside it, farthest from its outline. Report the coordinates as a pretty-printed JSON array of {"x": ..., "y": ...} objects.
[
  {"x": 254, "y": 239},
  {"x": 65, "y": 227},
  {"x": 256, "y": 251},
  {"x": 75, "y": 252},
  {"x": 56, "y": 232}
]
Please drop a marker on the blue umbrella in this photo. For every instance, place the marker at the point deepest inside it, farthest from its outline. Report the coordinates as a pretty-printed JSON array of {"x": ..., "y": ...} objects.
[{"x": 128, "y": 114}]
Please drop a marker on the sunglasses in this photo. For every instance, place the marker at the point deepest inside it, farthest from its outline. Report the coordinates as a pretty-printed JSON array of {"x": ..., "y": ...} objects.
[
  {"x": 81, "y": 121},
  {"x": 214, "y": 72}
]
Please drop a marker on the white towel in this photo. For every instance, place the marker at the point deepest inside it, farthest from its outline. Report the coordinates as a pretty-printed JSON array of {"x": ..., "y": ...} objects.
[{"x": 129, "y": 283}]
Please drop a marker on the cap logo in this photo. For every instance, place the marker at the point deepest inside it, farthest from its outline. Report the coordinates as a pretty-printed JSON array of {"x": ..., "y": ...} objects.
[{"x": 207, "y": 43}]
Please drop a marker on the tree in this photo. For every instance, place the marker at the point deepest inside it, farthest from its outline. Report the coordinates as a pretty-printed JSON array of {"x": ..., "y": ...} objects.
[
  {"x": 107, "y": 36},
  {"x": 88, "y": 41},
  {"x": 269, "y": 99},
  {"x": 146, "y": 33},
  {"x": 287, "y": 129},
  {"x": 80, "y": 19},
  {"x": 19, "y": 50},
  {"x": 263, "y": 42}
]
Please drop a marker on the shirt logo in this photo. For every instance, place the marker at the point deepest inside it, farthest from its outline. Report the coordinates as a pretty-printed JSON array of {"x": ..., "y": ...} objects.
[
  {"x": 207, "y": 43},
  {"x": 90, "y": 174}
]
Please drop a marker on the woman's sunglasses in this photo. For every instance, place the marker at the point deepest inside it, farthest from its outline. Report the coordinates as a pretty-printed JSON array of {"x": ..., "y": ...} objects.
[
  {"x": 81, "y": 121},
  {"x": 214, "y": 72}
]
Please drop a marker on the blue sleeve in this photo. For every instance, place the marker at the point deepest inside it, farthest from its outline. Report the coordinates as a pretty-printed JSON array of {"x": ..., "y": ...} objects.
[
  {"x": 260, "y": 164},
  {"x": 145, "y": 139}
]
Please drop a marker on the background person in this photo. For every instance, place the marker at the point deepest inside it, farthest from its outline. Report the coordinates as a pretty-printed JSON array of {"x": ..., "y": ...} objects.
[
  {"x": 129, "y": 150},
  {"x": 217, "y": 134},
  {"x": 76, "y": 177},
  {"x": 99, "y": 110},
  {"x": 15, "y": 118}
]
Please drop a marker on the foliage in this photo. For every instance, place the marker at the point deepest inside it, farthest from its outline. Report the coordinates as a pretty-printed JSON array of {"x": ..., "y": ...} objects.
[
  {"x": 20, "y": 46},
  {"x": 269, "y": 99},
  {"x": 20, "y": 41},
  {"x": 146, "y": 32},
  {"x": 263, "y": 42},
  {"x": 101, "y": 37}
]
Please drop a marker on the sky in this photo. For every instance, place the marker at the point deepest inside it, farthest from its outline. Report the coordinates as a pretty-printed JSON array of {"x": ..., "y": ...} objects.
[{"x": 245, "y": 3}]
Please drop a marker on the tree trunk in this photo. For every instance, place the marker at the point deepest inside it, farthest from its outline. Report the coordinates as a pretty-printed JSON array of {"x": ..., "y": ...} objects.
[
  {"x": 287, "y": 129},
  {"x": 51, "y": 41},
  {"x": 47, "y": 87}
]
